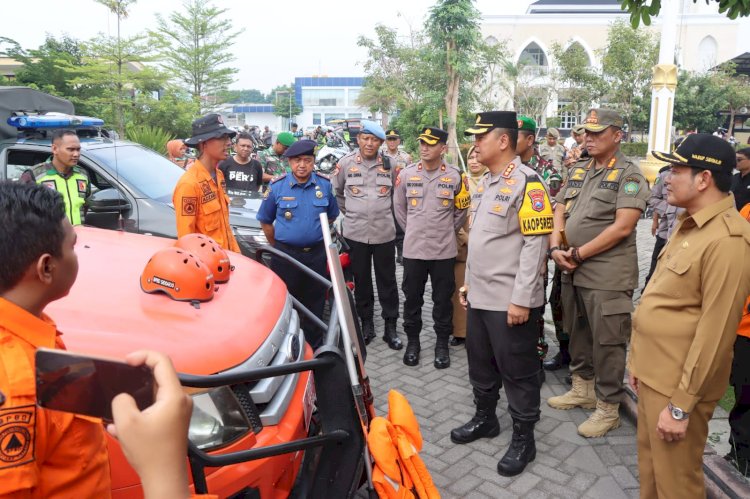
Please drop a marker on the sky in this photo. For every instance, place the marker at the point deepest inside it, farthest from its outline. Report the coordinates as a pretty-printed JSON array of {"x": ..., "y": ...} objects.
[{"x": 282, "y": 40}]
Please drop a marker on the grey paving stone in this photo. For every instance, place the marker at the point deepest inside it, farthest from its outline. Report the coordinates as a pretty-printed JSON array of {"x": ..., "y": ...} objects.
[
  {"x": 497, "y": 491},
  {"x": 525, "y": 482},
  {"x": 605, "y": 487},
  {"x": 475, "y": 494},
  {"x": 582, "y": 481},
  {"x": 537, "y": 494},
  {"x": 586, "y": 459},
  {"x": 607, "y": 454},
  {"x": 623, "y": 476},
  {"x": 558, "y": 491},
  {"x": 464, "y": 485},
  {"x": 549, "y": 473}
]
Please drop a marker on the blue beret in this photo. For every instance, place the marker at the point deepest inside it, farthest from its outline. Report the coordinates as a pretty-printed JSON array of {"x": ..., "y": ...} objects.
[
  {"x": 301, "y": 148},
  {"x": 372, "y": 128}
]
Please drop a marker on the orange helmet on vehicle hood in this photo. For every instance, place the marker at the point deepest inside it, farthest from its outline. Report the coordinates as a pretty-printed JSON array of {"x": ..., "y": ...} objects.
[
  {"x": 209, "y": 252},
  {"x": 180, "y": 274}
]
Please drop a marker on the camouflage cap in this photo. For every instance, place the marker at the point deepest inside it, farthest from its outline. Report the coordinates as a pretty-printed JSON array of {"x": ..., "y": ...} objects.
[
  {"x": 526, "y": 123},
  {"x": 600, "y": 119},
  {"x": 553, "y": 132}
]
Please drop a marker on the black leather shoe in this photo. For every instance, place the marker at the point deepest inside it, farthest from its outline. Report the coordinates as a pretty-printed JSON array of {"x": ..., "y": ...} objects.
[
  {"x": 484, "y": 424},
  {"x": 390, "y": 335},
  {"x": 411, "y": 356},
  {"x": 560, "y": 360},
  {"x": 368, "y": 331},
  {"x": 521, "y": 452},
  {"x": 454, "y": 342},
  {"x": 442, "y": 357}
]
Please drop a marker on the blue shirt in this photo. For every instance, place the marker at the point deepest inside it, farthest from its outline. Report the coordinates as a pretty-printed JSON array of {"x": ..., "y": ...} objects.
[{"x": 295, "y": 209}]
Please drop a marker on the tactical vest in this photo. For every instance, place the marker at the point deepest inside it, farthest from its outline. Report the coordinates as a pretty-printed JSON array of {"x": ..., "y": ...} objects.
[{"x": 73, "y": 189}]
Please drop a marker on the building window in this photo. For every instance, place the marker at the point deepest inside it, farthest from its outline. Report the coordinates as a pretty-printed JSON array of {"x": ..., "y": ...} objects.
[
  {"x": 355, "y": 115},
  {"x": 353, "y": 96},
  {"x": 323, "y": 97},
  {"x": 334, "y": 116},
  {"x": 707, "y": 49},
  {"x": 316, "y": 119},
  {"x": 568, "y": 119},
  {"x": 533, "y": 55}
]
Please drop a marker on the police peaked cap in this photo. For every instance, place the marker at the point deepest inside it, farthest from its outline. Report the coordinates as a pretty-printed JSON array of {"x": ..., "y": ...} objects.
[
  {"x": 301, "y": 148},
  {"x": 433, "y": 135},
  {"x": 493, "y": 119}
]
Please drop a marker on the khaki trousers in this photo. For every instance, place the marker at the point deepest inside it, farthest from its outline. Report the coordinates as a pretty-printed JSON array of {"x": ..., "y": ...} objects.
[
  {"x": 670, "y": 469},
  {"x": 459, "y": 314},
  {"x": 599, "y": 325}
]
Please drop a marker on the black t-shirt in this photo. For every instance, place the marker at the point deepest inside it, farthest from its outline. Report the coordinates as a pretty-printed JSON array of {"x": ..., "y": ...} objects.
[
  {"x": 247, "y": 177},
  {"x": 741, "y": 190}
]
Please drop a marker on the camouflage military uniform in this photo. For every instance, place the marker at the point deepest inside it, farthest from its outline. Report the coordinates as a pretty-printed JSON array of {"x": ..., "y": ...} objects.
[{"x": 272, "y": 163}]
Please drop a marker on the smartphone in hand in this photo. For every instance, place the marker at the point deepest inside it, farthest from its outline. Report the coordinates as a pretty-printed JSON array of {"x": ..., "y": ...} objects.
[{"x": 82, "y": 384}]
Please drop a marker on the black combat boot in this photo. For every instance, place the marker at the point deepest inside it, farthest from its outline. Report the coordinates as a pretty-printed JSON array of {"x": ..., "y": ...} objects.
[
  {"x": 521, "y": 452},
  {"x": 483, "y": 424},
  {"x": 442, "y": 354},
  {"x": 368, "y": 330},
  {"x": 411, "y": 355},
  {"x": 390, "y": 335},
  {"x": 560, "y": 360}
]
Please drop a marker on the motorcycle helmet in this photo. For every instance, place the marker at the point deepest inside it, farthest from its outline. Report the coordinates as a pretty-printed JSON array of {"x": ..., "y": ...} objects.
[
  {"x": 180, "y": 274},
  {"x": 209, "y": 252}
]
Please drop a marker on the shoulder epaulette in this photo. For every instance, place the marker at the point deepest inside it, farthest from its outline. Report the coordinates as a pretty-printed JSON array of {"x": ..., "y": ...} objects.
[{"x": 278, "y": 177}]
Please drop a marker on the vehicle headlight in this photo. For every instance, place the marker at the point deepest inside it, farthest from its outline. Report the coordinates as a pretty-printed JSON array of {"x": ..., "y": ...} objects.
[
  {"x": 325, "y": 165},
  {"x": 217, "y": 419}
]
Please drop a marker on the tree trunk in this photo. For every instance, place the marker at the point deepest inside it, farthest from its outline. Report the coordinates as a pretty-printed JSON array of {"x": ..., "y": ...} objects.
[
  {"x": 384, "y": 119},
  {"x": 730, "y": 128},
  {"x": 451, "y": 103}
]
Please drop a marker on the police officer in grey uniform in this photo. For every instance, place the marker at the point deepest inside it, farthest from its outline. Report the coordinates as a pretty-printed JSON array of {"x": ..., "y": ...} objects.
[
  {"x": 399, "y": 160},
  {"x": 363, "y": 182},
  {"x": 511, "y": 217},
  {"x": 430, "y": 205}
]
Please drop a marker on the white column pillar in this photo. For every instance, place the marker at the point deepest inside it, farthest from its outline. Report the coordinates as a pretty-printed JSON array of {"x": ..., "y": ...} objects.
[{"x": 663, "y": 86}]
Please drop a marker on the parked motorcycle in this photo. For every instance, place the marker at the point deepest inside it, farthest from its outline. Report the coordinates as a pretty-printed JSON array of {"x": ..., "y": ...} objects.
[{"x": 329, "y": 155}]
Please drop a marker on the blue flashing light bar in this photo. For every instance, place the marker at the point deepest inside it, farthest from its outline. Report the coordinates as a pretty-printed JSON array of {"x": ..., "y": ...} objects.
[{"x": 39, "y": 121}]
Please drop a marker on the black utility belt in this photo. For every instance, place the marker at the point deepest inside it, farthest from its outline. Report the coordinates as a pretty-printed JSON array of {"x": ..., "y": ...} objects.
[{"x": 301, "y": 249}]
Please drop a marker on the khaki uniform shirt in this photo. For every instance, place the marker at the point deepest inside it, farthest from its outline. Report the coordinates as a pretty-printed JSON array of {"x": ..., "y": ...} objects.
[
  {"x": 552, "y": 153},
  {"x": 504, "y": 266},
  {"x": 364, "y": 190},
  {"x": 425, "y": 207},
  {"x": 400, "y": 160},
  {"x": 685, "y": 326},
  {"x": 591, "y": 198}
]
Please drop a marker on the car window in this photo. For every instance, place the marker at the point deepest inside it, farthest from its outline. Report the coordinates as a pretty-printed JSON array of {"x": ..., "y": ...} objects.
[
  {"x": 20, "y": 160},
  {"x": 98, "y": 182},
  {"x": 148, "y": 172}
]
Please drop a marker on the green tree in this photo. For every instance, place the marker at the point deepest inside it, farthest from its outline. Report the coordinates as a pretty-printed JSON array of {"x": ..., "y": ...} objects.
[
  {"x": 529, "y": 91},
  {"x": 736, "y": 90},
  {"x": 115, "y": 74},
  {"x": 250, "y": 95},
  {"x": 627, "y": 65},
  {"x": 579, "y": 83},
  {"x": 453, "y": 25},
  {"x": 284, "y": 103},
  {"x": 120, "y": 9},
  {"x": 644, "y": 10},
  {"x": 194, "y": 43},
  {"x": 698, "y": 98}
]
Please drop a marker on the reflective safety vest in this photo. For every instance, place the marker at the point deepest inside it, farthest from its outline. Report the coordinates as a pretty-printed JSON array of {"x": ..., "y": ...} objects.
[
  {"x": 394, "y": 443},
  {"x": 74, "y": 188}
]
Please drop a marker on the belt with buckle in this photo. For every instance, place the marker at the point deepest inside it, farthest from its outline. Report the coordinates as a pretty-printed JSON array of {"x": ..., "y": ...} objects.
[{"x": 302, "y": 249}]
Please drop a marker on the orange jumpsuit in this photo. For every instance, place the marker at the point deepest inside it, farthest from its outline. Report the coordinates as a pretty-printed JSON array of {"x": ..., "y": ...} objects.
[
  {"x": 202, "y": 206},
  {"x": 43, "y": 453}
]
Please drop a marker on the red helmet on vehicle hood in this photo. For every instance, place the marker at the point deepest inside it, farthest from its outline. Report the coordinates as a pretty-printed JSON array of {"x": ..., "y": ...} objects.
[
  {"x": 180, "y": 274},
  {"x": 209, "y": 252}
]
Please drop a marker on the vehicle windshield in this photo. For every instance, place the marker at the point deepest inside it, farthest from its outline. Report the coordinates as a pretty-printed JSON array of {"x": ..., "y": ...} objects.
[{"x": 148, "y": 172}]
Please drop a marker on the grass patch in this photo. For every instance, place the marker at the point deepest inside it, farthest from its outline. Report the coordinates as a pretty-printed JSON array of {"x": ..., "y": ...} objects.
[{"x": 727, "y": 401}]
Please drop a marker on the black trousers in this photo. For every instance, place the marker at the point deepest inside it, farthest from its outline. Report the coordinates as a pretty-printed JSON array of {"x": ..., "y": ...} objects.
[
  {"x": 503, "y": 356},
  {"x": 739, "y": 416},
  {"x": 301, "y": 286},
  {"x": 443, "y": 282},
  {"x": 658, "y": 245},
  {"x": 363, "y": 256}
]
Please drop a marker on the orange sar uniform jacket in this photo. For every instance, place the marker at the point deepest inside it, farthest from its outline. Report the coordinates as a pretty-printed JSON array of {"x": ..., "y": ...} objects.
[
  {"x": 43, "y": 453},
  {"x": 202, "y": 206},
  {"x": 744, "y": 327}
]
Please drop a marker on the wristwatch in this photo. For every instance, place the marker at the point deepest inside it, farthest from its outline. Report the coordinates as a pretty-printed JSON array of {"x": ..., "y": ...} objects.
[
  {"x": 552, "y": 250},
  {"x": 677, "y": 413}
]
